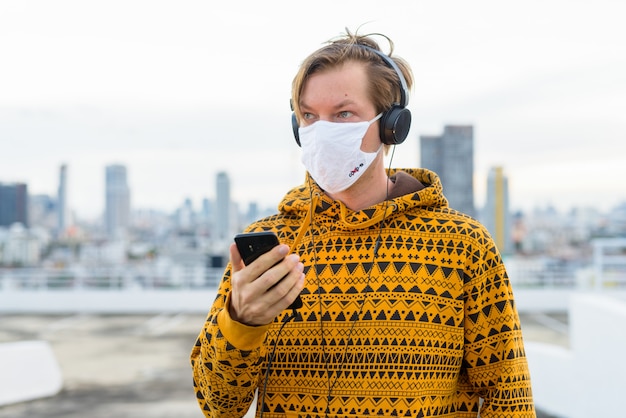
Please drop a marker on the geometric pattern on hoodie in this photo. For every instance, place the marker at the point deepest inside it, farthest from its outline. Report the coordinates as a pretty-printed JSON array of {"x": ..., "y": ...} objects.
[{"x": 427, "y": 327}]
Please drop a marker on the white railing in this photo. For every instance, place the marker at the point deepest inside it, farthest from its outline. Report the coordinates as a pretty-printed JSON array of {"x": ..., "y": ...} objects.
[
  {"x": 112, "y": 278},
  {"x": 609, "y": 263},
  {"x": 540, "y": 284},
  {"x": 542, "y": 272}
]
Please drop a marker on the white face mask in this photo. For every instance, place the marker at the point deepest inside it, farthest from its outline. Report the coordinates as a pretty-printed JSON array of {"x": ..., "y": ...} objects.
[{"x": 331, "y": 153}]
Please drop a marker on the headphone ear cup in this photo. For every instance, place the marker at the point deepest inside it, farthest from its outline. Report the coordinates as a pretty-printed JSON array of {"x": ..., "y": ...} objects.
[
  {"x": 295, "y": 127},
  {"x": 394, "y": 125}
]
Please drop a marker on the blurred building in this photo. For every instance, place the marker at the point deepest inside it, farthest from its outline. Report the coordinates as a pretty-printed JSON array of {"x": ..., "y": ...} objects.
[
  {"x": 186, "y": 217},
  {"x": 42, "y": 212},
  {"x": 496, "y": 213},
  {"x": 62, "y": 210},
  {"x": 223, "y": 212},
  {"x": 205, "y": 213},
  {"x": 117, "y": 212},
  {"x": 13, "y": 204},
  {"x": 252, "y": 214},
  {"x": 19, "y": 247},
  {"x": 451, "y": 156}
]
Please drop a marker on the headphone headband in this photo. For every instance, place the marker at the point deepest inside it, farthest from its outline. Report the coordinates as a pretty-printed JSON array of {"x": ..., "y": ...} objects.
[{"x": 404, "y": 90}]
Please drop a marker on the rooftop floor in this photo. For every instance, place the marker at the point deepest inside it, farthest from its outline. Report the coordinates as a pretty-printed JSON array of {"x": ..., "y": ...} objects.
[{"x": 136, "y": 366}]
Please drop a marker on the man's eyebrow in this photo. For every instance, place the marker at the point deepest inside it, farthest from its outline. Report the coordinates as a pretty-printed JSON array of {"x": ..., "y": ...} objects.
[
  {"x": 344, "y": 103},
  {"x": 339, "y": 105}
]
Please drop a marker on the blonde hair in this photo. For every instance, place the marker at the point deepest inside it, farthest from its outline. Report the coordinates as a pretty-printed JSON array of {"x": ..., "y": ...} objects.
[{"x": 384, "y": 88}]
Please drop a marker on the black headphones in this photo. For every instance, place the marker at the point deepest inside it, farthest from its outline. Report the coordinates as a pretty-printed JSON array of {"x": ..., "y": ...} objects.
[{"x": 395, "y": 121}]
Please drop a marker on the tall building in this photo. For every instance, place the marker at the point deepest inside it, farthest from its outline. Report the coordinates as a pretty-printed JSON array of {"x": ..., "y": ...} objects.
[
  {"x": 62, "y": 211},
  {"x": 451, "y": 156},
  {"x": 13, "y": 204},
  {"x": 207, "y": 208},
  {"x": 496, "y": 214},
  {"x": 223, "y": 218},
  {"x": 117, "y": 212},
  {"x": 186, "y": 216},
  {"x": 42, "y": 211}
]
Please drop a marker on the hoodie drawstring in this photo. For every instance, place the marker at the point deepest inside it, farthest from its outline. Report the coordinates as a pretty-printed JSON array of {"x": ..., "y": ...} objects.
[{"x": 306, "y": 222}]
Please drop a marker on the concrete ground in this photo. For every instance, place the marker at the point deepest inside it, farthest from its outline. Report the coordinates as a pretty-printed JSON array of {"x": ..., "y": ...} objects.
[{"x": 137, "y": 366}]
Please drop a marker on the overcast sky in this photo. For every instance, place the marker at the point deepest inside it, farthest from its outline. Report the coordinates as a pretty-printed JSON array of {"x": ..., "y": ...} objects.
[{"x": 179, "y": 90}]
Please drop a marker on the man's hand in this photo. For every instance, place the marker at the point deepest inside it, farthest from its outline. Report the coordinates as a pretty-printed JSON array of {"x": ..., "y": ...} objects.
[{"x": 264, "y": 289}]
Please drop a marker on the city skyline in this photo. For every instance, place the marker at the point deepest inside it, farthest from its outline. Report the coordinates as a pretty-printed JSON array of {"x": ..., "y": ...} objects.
[
  {"x": 117, "y": 209},
  {"x": 161, "y": 89}
]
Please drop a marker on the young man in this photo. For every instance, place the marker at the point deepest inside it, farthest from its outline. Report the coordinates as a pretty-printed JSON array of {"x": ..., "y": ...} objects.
[{"x": 407, "y": 307}]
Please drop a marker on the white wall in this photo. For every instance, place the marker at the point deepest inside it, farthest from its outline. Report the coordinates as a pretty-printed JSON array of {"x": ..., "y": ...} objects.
[
  {"x": 588, "y": 379},
  {"x": 28, "y": 370},
  {"x": 106, "y": 301}
]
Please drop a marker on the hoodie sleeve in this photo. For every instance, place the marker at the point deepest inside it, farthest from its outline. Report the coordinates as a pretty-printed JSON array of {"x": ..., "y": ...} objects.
[
  {"x": 226, "y": 360},
  {"x": 495, "y": 360}
]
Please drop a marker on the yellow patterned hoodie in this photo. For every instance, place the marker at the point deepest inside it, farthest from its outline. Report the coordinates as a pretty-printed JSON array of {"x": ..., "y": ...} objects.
[{"x": 421, "y": 324}]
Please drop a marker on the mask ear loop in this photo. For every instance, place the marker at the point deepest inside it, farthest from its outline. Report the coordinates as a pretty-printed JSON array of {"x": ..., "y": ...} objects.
[{"x": 380, "y": 115}]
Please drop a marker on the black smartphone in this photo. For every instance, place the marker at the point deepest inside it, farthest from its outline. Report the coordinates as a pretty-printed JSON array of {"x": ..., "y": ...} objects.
[{"x": 252, "y": 245}]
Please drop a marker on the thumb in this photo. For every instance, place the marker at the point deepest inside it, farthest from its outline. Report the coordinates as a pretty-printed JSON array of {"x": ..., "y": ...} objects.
[{"x": 235, "y": 258}]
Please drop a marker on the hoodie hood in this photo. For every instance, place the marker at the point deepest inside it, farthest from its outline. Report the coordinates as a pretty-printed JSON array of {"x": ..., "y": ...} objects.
[{"x": 309, "y": 201}]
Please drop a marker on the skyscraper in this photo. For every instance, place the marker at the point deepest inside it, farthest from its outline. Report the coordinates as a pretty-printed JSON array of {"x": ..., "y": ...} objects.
[
  {"x": 496, "y": 214},
  {"x": 62, "y": 211},
  {"x": 451, "y": 156},
  {"x": 117, "y": 213},
  {"x": 223, "y": 217},
  {"x": 13, "y": 204}
]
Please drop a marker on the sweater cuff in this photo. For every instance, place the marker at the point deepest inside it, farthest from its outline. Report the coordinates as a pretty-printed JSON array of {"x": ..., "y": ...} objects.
[{"x": 244, "y": 337}]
